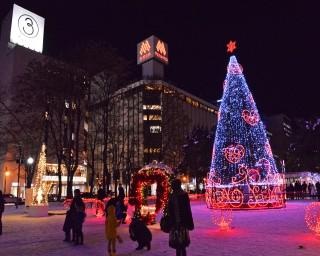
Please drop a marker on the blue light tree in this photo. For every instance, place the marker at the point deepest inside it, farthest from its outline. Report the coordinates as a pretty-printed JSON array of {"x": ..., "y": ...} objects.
[{"x": 243, "y": 172}]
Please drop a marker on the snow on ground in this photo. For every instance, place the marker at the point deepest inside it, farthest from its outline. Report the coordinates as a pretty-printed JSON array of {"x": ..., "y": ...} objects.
[{"x": 259, "y": 232}]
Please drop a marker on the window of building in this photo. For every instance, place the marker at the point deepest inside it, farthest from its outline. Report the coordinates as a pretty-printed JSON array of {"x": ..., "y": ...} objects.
[
  {"x": 155, "y": 129},
  {"x": 152, "y": 107},
  {"x": 189, "y": 100},
  {"x": 152, "y": 150},
  {"x": 156, "y": 87},
  {"x": 154, "y": 117},
  {"x": 145, "y": 117}
]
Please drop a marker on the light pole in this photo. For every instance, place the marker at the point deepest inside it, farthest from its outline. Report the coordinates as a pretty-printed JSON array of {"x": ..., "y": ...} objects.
[
  {"x": 30, "y": 162},
  {"x": 6, "y": 174}
]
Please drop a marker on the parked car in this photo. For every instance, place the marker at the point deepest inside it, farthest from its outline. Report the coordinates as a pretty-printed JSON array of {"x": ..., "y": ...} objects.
[{"x": 11, "y": 199}]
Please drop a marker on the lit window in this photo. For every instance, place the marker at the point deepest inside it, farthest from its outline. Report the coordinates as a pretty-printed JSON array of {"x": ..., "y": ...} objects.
[
  {"x": 152, "y": 150},
  {"x": 155, "y": 129},
  {"x": 154, "y": 117},
  {"x": 188, "y": 100},
  {"x": 145, "y": 117},
  {"x": 152, "y": 107},
  {"x": 210, "y": 110},
  {"x": 195, "y": 103}
]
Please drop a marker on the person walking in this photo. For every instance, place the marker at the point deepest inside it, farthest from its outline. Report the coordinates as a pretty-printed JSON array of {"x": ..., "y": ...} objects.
[
  {"x": 78, "y": 215},
  {"x": 181, "y": 220},
  {"x": 1, "y": 210}
]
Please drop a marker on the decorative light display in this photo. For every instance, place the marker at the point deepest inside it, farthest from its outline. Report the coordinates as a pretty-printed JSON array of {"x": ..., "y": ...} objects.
[
  {"x": 41, "y": 188},
  {"x": 312, "y": 217},
  {"x": 152, "y": 173},
  {"x": 231, "y": 46},
  {"x": 234, "y": 153},
  {"x": 90, "y": 203},
  {"x": 222, "y": 218},
  {"x": 243, "y": 173},
  {"x": 251, "y": 117}
]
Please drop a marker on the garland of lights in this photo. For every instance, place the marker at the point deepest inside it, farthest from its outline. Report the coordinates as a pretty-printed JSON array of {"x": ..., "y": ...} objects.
[
  {"x": 146, "y": 177},
  {"x": 243, "y": 173}
]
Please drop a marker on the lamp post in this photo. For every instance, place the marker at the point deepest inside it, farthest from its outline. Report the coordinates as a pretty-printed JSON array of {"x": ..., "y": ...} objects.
[
  {"x": 30, "y": 162},
  {"x": 6, "y": 174}
]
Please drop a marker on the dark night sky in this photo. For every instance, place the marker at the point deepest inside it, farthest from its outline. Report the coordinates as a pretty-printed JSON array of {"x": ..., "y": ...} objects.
[{"x": 277, "y": 42}]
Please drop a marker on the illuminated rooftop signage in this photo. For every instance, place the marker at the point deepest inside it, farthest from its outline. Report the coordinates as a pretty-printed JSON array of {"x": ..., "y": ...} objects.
[
  {"x": 152, "y": 48},
  {"x": 27, "y": 29}
]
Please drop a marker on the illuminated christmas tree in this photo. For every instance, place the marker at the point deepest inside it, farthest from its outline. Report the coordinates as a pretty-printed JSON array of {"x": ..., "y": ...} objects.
[
  {"x": 41, "y": 188},
  {"x": 243, "y": 173}
]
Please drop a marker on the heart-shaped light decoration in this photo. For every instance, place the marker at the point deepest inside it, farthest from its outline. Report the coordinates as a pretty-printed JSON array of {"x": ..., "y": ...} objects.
[
  {"x": 234, "y": 153},
  {"x": 250, "y": 117}
]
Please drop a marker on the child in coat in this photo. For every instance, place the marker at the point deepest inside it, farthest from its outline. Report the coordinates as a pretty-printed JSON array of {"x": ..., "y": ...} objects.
[
  {"x": 139, "y": 232},
  {"x": 111, "y": 225}
]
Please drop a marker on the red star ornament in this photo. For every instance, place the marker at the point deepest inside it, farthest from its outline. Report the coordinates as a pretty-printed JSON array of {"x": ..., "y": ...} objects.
[{"x": 231, "y": 46}]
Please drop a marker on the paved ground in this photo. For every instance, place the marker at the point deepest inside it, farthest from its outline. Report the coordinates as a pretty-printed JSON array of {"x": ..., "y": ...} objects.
[{"x": 264, "y": 232}]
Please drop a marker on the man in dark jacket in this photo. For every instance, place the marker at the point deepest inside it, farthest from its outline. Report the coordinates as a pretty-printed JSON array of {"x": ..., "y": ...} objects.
[
  {"x": 180, "y": 214},
  {"x": 1, "y": 210}
]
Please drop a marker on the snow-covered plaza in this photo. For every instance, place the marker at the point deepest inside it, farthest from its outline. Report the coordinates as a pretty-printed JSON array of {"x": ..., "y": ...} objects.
[{"x": 258, "y": 232}]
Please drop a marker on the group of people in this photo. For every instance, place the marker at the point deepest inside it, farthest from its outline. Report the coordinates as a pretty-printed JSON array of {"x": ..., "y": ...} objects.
[
  {"x": 298, "y": 190},
  {"x": 75, "y": 217},
  {"x": 179, "y": 212},
  {"x": 180, "y": 216}
]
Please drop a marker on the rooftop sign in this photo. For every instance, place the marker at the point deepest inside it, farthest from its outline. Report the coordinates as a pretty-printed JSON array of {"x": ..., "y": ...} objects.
[
  {"x": 27, "y": 29},
  {"x": 152, "y": 48}
]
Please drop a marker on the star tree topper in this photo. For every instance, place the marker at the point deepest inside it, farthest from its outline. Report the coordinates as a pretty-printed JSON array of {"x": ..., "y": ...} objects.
[{"x": 231, "y": 46}]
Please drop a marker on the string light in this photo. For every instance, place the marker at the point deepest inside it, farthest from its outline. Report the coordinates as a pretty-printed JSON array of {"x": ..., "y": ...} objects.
[
  {"x": 41, "y": 188},
  {"x": 153, "y": 173},
  {"x": 222, "y": 218},
  {"x": 243, "y": 173},
  {"x": 312, "y": 217}
]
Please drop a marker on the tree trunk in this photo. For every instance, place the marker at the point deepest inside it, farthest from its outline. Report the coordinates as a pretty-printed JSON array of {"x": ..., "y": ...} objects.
[
  {"x": 59, "y": 178},
  {"x": 69, "y": 186},
  {"x": 92, "y": 174}
]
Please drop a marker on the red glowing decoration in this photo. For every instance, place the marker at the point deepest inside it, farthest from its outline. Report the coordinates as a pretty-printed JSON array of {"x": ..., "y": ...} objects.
[
  {"x": 231, "y": 46},
  {"x": 222, "y": 218},
  {"x": 234, "y": 153},
  {"x": 250, "y": 117},
  {"x": 152, "y": 173},
  {"x": 312, "y": 217},
  {"x": 247, "y": 190}
]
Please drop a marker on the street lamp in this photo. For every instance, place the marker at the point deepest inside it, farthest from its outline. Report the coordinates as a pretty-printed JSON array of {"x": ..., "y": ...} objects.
[
  {"x": 30, "y": 162},
  {"x": 6, "y": 174}
]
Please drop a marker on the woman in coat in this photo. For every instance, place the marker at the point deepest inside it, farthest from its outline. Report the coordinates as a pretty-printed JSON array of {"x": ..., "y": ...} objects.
[{"x": 181, "y": 220}]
